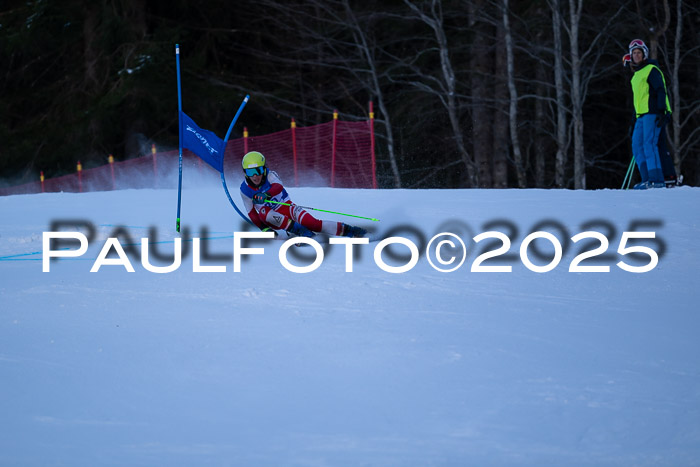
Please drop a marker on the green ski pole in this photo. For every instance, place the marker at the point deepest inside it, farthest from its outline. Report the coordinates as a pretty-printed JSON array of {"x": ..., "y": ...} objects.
[
  {"x": 323, "y": 210},
  {"x": 630, "y": 172}
]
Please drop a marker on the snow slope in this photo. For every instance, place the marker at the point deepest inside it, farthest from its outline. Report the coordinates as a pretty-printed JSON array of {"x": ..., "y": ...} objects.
[{"x": 271, "y": 367}]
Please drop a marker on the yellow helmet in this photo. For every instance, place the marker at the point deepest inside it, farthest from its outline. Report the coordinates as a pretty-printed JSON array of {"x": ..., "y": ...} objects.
[{"x": 254, "y": 163}]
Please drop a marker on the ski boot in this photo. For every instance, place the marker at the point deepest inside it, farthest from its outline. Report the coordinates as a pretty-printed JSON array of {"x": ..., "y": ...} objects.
[
  {"x": 672, "y": 181},
  {"x": 352, "y": 231},
  {"x": 298, "y": 230}
]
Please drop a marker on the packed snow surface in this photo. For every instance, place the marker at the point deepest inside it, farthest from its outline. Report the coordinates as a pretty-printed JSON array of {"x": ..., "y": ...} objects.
[{"x": 271, "y": 367}]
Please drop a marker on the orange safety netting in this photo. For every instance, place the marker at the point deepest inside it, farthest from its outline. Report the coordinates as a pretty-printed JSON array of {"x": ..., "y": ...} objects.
[{"x": 337, "y": 154}]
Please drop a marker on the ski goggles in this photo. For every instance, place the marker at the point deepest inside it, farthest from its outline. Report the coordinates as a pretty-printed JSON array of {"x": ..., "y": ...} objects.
[
  {"x": 637, "y": 43},
  {"x": 254, "y": 171}
]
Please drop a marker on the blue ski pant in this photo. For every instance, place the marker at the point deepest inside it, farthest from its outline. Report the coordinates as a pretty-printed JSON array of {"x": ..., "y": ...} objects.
[{"x": 645, "y": 139}]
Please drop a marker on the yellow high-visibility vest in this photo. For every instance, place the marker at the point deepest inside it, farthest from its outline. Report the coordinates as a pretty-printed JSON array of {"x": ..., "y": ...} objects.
[{"x": 640, "y": 88}]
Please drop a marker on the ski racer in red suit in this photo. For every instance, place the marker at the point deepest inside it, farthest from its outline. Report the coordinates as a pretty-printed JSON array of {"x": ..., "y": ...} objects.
[{"x": 261, "y": 186}]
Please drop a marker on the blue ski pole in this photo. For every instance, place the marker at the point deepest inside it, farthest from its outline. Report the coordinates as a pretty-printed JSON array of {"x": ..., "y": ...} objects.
[{"x": 179, "y": 120}]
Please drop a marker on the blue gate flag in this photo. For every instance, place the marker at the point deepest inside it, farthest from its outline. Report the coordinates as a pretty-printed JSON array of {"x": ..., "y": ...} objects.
[{"x": 209, "y": 147}]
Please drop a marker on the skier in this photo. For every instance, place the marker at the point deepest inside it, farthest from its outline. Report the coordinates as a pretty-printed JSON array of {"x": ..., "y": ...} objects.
[
  {"x": 669, "y": 171},
  {"x": 670, "y": 177},
  {"x": 261, "y": 186},
  {"x": 652, "y": 109}
]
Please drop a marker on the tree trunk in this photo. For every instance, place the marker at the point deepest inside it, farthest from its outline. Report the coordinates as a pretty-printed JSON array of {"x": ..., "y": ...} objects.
[
  {"x": 450, "y": 83},
  {"x": 500, "y": 114},
  {"x": 540, "y": 124},
  {"x": 375, "y": 88},
  {"x": 90, "y": 52},
  {"x": 561, "y": 130},
  {"x": 676, "y": 88},
  {"x": 452, "y": 108},
  {"x": 513, "y": 107},
  {"x": 655, "y": 31},
  {"x": 91, "y": 83},
  {"x": 481, "y": 64},
  {"x": 576, "y": 96}
]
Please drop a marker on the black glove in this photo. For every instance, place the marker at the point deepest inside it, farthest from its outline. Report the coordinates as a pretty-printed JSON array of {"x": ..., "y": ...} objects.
[{"x": 260, "y": 197}]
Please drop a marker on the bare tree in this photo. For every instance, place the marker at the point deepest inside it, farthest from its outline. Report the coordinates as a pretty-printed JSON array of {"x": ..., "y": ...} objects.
[
  {"x": 575, "y": 7},
  {"x": 561, "y": 125},
  {"x": 583, "y": 68},
  {"x": 513, "y": 109},
  {"x": 481, "y": 65},
  {"x": 655, "y": 31},
  {"x": 676, "y": 88},
  {"x": 500, "y": 112},
  {"x": 684, "y": 110},
  {"x": 538, "y": 133},
  {"x": 335, "y": 41},
  {"x": 367, "y": 50},
  {"x": 446, "y": 88}
]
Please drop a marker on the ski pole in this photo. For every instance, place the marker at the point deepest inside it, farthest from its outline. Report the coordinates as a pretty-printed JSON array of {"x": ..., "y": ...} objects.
[
  {"x": 180, "y": 137},
  {"x": 323, "y": 210},
  {"x": 630, "y": 172}
]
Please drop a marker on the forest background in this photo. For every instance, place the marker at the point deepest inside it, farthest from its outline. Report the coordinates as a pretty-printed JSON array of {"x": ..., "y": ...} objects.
[{"x": 467, "y": 93}]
